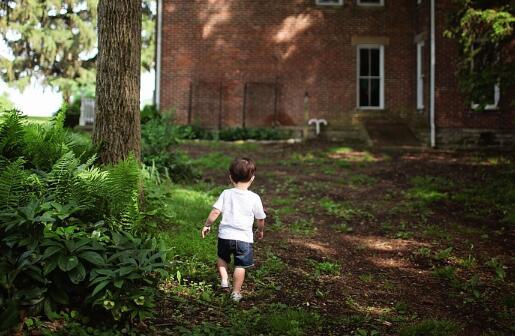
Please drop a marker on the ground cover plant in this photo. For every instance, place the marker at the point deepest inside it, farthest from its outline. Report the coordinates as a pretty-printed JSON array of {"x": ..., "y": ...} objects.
[
  {"x": 352, "y": 246},
  {"x": 72, "y": 247}
]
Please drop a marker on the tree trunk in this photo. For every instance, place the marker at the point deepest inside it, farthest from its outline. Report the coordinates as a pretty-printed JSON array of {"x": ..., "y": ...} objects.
[{"x": 117, "y": 121}]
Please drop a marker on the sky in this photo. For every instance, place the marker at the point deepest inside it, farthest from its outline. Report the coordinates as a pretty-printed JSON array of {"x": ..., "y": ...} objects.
[{"x": 38, "y": 100}]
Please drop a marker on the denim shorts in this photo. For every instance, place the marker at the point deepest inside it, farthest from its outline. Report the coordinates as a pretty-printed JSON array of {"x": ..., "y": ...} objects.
[{"x": 240, "y": 250}]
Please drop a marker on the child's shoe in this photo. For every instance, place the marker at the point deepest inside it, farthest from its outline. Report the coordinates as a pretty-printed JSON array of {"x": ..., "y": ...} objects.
[{"x": 236, "y": 297}]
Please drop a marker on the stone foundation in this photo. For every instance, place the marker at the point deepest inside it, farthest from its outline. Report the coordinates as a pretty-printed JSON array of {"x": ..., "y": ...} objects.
[{"x": 475, "y": 138}]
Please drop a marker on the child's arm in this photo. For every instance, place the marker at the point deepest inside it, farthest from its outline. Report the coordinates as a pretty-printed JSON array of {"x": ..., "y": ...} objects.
[
  {"x": 213, "y": 215},
  {"x": 261, "y": 228}
]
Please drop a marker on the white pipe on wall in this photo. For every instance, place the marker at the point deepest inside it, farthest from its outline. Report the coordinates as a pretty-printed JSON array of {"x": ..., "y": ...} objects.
[
  {"x": 158, "y": 52},
  {"x": 432, "y": 83}
]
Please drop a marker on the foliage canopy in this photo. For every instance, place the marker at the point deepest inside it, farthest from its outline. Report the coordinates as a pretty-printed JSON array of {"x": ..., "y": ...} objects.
[
  {"x": 484, "y": 31},
  {"x": 55, "y": 41}
]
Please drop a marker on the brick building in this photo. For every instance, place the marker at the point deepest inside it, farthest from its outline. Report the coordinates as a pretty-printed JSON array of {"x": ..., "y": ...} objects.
[{"x": 365, "y": 66}]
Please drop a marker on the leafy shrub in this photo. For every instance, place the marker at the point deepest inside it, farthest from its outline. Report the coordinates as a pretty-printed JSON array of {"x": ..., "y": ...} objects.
[
  {"x": 149, "y": 112},
  {"x": 159, "y": 137},
  {"x": 190, "y": 132},
  {"x": 233, "y": 134},
  {"x": 72, "y": 113},
  {"x": 69, "y": 229}
]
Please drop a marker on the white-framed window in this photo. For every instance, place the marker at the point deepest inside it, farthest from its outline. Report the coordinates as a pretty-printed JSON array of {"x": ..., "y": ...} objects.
[
  {"x": 495, "y": 94},
  {"x": 329, "y": 2},
  {"x": 370, "y": 76},
  {"x": 370, "y": 2},
  {"x": 420, "y": 75}
]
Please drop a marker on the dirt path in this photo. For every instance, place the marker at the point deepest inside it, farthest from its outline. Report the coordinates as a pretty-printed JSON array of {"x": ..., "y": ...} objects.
[{"x": 366, "y": 248}]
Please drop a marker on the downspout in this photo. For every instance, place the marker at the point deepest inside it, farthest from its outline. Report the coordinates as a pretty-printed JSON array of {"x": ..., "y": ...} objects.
[
  {"x": 158, "y": 53},
  {"x": 432, "y": 82}
]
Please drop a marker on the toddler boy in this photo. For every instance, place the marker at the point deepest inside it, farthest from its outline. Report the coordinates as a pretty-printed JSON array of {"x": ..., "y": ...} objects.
[{"x": 239, "y": 207}]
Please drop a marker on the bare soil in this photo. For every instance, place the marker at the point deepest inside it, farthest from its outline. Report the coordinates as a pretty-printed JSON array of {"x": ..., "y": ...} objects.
[{"x": 382, "y": 277}]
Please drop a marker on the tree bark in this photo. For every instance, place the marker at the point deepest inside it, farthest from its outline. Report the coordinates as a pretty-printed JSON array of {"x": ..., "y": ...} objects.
[{"x": 117, "y": 122}]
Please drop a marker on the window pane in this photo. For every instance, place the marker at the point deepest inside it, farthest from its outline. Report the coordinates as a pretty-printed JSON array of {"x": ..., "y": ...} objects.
[
  {"x": 375, "y": 92},
  {"x": 490, "y": 95},
  {"x": 363, "y": 62},
  {"x": 374, "y": 60},
  {"x": 370, "y": 1},
  {"x": 422, "y": 60},
  {"x": 363, "y": 92}
]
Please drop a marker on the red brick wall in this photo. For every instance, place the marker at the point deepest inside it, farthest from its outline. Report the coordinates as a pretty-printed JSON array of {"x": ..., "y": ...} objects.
[
  {"x": 214, "y": 47},
  {"x": 294, "y": 44}
]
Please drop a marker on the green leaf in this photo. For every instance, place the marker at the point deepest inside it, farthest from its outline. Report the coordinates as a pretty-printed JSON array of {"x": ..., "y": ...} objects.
[
  {"x": 50, "y": 266},
  {"x": 97, "y": 280},
  {"x": 67, "y": 263},
  {"x": 92, "y": 257},
  {"x": 51, "y": 250},
  {"x": 82, "y": 243},
  {"x": 77, "y": 274},
  {"x": 48, "y": 308},
  {"x": 126, "y": 270},
  {"x": 99, "y": 287},
  {"x": 119, "y": 283},
  {"x": 46, "y": 218},
  {"x": 104, "y": 272}
]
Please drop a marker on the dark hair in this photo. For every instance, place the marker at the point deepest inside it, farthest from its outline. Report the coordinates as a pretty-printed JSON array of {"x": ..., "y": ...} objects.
[{"x": 242, "y": 169}]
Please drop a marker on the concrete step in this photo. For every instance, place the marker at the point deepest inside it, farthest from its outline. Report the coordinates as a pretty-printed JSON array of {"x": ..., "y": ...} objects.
[{"x": 390, "y": 134}]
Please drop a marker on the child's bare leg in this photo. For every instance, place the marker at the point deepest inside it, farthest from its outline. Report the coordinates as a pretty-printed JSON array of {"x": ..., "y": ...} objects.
[
  {"x": 222, "y": 269},
  {"x": 239, "y": 276}
]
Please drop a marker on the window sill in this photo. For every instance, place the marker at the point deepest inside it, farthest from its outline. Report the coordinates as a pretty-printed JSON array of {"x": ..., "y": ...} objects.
[
  {"x": 369, "y": 108},
  {"x": 487, "y": 108},
  {"x": 370, "y": 5},
  {"x": 339, "y": 4}
]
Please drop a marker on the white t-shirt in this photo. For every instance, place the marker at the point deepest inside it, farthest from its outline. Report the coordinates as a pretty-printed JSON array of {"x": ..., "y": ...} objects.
[{"x": 239, "y": 208}]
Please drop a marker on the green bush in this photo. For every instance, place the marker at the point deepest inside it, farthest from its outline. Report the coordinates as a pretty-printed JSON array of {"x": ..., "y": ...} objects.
[
  {"x": 72, "y": 115},
  {"x": 69, "y": 229},
  {"x": 148, "y": 113},
  {"x": 233, "y": 134},
  {"x": 159, "y": 137}
]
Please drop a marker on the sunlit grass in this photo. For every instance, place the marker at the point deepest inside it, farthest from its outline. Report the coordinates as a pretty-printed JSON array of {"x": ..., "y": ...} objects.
[
  {"x": 189, "y": 210},
  {"x": 351, "y": 155},
  {"x": 215, "y": 161},
  {"x": 428, "y": 189},
  {"x": 39, "y": 120}
]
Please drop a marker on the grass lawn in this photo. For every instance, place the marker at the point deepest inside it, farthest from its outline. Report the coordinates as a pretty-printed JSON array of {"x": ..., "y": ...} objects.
[
  {"x": 34, "y": 119},
  {"x": 39, "y": 120},
  {"x": 358, "y": 242}
]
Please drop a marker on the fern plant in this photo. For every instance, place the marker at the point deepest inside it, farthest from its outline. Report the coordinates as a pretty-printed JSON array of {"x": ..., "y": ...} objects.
[
  {"x": 15, "y": 191},
  {"x": 62, "y": 220},
  {"x": 45, "y": 144},
  {"x": 124, "y": 184},
  {"x": 11, "y": 134}
]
